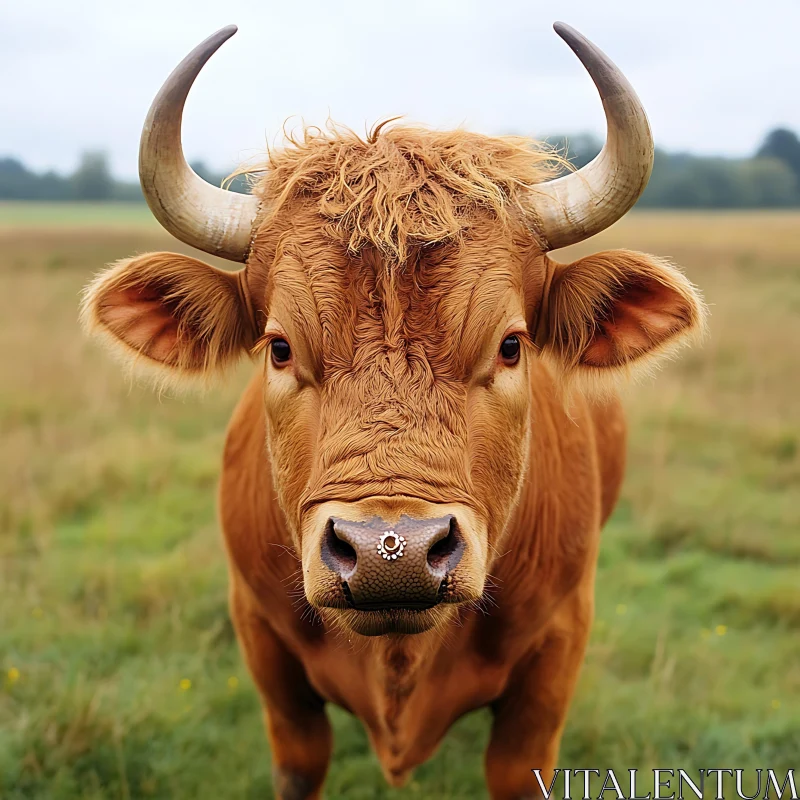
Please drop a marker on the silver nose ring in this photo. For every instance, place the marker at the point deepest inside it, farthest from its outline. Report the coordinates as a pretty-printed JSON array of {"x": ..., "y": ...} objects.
[{"x": 391, "y": 545}]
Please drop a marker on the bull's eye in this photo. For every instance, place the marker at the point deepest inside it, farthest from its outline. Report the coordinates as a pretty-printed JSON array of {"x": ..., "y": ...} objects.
[
  {"x": 509, "y": 350},
  {"x": 281, "y": 352}
]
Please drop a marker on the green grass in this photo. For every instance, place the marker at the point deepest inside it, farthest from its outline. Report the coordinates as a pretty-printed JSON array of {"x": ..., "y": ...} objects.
[
  {"x": 37, "y": 215},
  {"x": 114, "y": 582}
]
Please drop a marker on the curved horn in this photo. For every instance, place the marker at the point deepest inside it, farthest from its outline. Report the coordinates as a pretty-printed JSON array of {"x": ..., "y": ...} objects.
[
  {"x": 202, "y": 215},
  {"x": 583, "y": 203}
]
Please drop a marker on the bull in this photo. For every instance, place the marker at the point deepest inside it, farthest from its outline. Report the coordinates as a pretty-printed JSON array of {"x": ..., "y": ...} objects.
[{"x": 432, "y": 441}]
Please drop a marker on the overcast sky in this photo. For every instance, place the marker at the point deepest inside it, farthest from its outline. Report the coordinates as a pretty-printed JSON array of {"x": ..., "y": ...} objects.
[{"x": 714, "y": 75}]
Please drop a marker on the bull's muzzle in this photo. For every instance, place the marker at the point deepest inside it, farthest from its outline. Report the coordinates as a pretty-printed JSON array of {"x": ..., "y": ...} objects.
[{"x": 391, "y": 566}]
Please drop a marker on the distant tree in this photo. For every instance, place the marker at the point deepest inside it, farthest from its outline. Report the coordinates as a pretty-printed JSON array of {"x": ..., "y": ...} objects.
[
  {"x": 686, "y": 181},
  {"x": 769, "y": 184},
  {"x": 127, "y": 192},
  {"x": 783, "y": 144},
  {"x": 92, "y": 180},
  {"x": 17, "y": 182},
  {"x": 52, "y": 186}
]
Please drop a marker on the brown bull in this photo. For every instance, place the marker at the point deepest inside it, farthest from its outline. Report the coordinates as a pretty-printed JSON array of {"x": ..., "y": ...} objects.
[{"x": 424, "y": 450}]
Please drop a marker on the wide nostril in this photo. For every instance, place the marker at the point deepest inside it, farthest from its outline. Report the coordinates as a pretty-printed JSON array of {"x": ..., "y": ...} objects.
[
  {"x": 340, "y": 556},
  {"x": 446, "y": 552}
]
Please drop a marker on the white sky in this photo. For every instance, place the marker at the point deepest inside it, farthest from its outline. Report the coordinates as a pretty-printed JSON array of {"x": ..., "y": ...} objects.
[{"x": 714, "y": 75}]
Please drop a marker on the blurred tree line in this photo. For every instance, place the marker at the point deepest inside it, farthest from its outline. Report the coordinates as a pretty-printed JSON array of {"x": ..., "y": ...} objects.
[
  {"x": 91, "y": 181},
  {"x": 768, "y": 179}
]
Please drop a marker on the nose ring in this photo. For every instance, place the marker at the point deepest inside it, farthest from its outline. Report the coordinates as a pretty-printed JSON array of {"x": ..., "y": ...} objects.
[{"x": 391, "y": 545}]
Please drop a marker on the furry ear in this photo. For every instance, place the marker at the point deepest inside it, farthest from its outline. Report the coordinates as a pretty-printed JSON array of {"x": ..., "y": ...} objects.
[
  {"x": 618, "y": 310},
  {"x": 171, "y": 312}
]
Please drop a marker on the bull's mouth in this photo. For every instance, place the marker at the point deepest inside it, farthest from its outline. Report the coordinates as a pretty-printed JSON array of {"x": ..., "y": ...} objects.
[
  {"x": 386, "y": 606},
  {"x": 390, "y": 620},
  {"x": 382, "y": 618}
]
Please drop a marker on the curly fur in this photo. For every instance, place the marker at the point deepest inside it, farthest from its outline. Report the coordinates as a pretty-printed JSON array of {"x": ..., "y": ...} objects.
[{"x": 403, "y": 187}]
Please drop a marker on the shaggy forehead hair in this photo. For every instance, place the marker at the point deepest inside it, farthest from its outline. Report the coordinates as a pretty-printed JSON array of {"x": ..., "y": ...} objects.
[{"x": 404, "y": 187}]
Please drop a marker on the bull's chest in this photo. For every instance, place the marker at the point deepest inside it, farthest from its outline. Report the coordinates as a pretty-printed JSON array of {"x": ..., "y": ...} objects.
[{"x": 407, "y": 696}]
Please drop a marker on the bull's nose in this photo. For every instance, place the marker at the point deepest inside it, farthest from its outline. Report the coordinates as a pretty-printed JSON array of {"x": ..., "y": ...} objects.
[{"x": 400, "y": 565}]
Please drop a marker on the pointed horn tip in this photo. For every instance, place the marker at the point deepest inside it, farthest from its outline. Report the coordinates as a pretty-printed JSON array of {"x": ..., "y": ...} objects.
[
  {"x": 569, "y": 34},
  {"x": 223, "y": 34},
  {"x": 218, "y": 38}
]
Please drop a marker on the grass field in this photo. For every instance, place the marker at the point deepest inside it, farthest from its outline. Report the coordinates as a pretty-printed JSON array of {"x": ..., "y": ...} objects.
[
  {"x": 120, "y": 676},
  {"x": 14, "y": 216}
]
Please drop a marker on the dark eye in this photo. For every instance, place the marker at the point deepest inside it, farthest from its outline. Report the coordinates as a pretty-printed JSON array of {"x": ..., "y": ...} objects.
[
  {"x": 281, "y": 352},
  {"x": 509, "y": 350}
]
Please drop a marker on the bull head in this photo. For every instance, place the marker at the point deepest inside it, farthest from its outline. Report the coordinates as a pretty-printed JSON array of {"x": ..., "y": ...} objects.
[{"x": 402, "y": 377}]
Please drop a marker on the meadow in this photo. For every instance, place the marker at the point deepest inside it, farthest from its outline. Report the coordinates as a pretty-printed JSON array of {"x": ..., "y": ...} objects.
[{"x": 119, "y": 672}]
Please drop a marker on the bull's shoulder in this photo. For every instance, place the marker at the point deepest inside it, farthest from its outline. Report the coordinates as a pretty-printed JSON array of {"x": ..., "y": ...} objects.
[
  {"x": 574, "y": 472},
  {"x": 577, "y": 437}
]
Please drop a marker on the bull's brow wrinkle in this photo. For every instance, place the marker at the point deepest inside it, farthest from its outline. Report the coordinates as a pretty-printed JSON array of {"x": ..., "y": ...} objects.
[{"x": 469, "y": 304}]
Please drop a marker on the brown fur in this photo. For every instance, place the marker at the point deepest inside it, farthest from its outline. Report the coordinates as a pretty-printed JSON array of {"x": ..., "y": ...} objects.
[
  {"x": 402, "y": 187},
  {"x": 395, "y": 267}
]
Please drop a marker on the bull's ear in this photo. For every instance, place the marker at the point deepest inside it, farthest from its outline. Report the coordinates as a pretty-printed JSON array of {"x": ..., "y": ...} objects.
[
  {"x": 618, "y": 310},
  {"x": 170, "y": 311}
]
